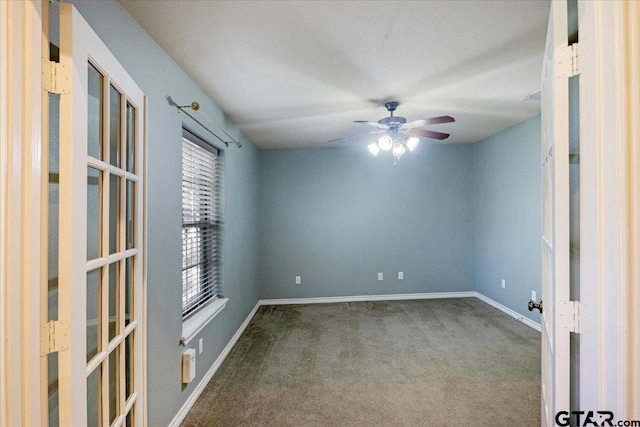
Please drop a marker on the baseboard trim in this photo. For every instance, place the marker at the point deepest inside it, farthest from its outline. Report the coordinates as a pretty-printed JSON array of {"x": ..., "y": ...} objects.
[
  {"x": 361, "y": 298},
  {"x": 510, "y": 312},
  {"x": 396, "y": 297},
  {"x": 191, "y": 400}
]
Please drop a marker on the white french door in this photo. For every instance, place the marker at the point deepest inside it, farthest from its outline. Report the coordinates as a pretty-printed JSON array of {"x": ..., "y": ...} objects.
[
  {"x": 101, "y": 241},
  {"x": 555, "y": 238}
]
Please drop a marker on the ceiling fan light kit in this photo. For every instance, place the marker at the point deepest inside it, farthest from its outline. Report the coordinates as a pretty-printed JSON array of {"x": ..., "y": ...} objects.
[{"x": 398, "y": 135}]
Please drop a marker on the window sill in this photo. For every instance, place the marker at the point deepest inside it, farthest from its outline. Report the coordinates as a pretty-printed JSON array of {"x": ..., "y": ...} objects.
[{"x": 198, "y": 321}]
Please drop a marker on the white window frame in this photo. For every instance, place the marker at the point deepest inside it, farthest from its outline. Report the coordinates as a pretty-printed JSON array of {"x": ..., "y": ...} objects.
[{"x": 195, "y": 322}]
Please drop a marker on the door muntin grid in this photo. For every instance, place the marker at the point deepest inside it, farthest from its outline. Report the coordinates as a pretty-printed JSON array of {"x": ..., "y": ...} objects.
[{"x": 113, "y": 254}]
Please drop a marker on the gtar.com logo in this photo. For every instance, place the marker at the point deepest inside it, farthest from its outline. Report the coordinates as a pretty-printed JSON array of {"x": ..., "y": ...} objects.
[{"x": 591, "y": 418}]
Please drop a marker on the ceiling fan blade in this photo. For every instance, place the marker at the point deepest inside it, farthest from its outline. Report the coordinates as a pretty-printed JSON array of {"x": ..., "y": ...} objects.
[
  {"x": 374, "y": 124},
  {"x": 428, "y": 134},
  {"x": 356, "y": 135},
  {"x": 431, "y": 121}
]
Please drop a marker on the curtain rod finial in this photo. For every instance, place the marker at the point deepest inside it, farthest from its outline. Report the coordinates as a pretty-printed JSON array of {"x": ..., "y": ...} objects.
[{"x": 195, "y": 106}]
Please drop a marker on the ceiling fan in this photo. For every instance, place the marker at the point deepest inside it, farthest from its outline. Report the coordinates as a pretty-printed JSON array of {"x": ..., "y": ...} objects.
[{"x": 397, "y": 134}]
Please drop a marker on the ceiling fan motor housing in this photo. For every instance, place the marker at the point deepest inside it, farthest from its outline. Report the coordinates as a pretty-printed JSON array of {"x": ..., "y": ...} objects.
[{"x": 393, "y": 120}]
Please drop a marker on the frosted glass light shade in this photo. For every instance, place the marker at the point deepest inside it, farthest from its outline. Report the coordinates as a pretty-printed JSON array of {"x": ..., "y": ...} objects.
[
  {"x": 398, "y": 149},
  {"x": 412, "y": 143},
  {"x": 374, "y": 148},
  {"x": 385, "y": 143}
]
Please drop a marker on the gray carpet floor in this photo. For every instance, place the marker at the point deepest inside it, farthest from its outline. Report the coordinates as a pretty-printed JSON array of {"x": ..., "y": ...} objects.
[{"x": 445, "y": 362}]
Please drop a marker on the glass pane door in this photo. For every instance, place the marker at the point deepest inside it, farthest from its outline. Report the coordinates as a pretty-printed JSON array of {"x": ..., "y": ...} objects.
[
  {"x": 101, "y": 240},
  {"x": 110, "y": 136}
]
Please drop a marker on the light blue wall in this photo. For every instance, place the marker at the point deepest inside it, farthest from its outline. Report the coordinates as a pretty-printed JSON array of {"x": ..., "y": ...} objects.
[
  {"x": 159, "y": 77},
  {"x": 338, "y": 216},
  {"x": 508, "y": 215}
]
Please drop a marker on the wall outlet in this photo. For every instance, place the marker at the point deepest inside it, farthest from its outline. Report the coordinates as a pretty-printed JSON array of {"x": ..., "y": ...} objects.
[
  {"x": 504, "y": 285},
  {"x": 400, "y": 275},
  {"x": 200, "y": 346},
  {"x": 534, "y": 297},
  {"x": 380, "y": 276},
  {"x": 298, "y": 280}
]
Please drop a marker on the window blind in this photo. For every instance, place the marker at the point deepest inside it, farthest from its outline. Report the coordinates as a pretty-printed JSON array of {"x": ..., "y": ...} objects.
[{"x": 202, "y": 207}]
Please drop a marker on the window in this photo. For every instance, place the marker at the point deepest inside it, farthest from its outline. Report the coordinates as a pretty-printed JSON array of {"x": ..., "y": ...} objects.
[{"x": 202, "y": 208}]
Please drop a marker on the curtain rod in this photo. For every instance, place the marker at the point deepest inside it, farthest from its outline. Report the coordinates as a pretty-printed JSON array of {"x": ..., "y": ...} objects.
[{"x": 195, "y": 106}]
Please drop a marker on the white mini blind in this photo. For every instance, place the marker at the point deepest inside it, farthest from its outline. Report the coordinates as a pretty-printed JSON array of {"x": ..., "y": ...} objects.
[{"x": 202, "y": 207}]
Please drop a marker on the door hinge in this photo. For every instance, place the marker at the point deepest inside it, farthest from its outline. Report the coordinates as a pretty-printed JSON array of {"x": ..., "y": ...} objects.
[
  {"x": 56, "y": 77},
  {"x": 568, "y": 316},
  {"x": 54, "y": 337},
  {"x": 567, "y": 61}
]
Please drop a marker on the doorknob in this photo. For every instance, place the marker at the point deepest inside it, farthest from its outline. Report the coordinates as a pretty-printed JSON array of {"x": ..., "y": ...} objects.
[{"x": 531, "y": 305}]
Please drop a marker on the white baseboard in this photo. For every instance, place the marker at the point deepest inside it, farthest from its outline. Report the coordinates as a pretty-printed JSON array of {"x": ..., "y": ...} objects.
[
  {"x": 191, "y": 400},
  {"x": 509, "y": 312},
  {"x": 396, "y": 297},
  {"x": 359, "y": 298}
]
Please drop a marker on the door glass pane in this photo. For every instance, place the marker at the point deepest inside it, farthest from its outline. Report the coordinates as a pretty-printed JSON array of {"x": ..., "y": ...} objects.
[
  {"x": 52, "y": 389},
  {"x": 114, "y": 126},
  {"x": 52, "y": 257},
  {"x": 93, "y": 398},
  {"x": 94, "y": 108},
  {"x": 53, "y": 214},
  {"x": 128, "y": 363},
  {"x": 94, "y": 188},
  {"x": 114, "y": 279},
  {"x": 114, "y": 213},
  {"x": 93, "y": 312},
  {"x": 113, "y": 385},
  {"x": 128, "y": 290},
  {"x": 130, "y": 213},
  {"x": 130, "y": 150}
]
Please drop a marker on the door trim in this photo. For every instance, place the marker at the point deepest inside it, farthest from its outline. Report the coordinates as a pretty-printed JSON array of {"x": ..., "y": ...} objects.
[
  {"x": 631, "y": 12},
  {"x": 21, "y": 220},
  {"x": 608, "y": 287},
  {"x": 4, "y": 200}
]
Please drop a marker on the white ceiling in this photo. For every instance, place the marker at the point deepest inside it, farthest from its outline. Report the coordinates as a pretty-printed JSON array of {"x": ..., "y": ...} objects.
[{"x": 298, "y": 73}]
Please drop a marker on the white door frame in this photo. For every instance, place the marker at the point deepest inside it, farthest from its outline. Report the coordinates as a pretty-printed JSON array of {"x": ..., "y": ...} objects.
[
  {"x": 555, "y": 232},
  {"x": 631, "y": 12},
  {"x": 21, "y": 220},
  {"x": 4, "y": 169},
  {"x": 609, "y": 34}
]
